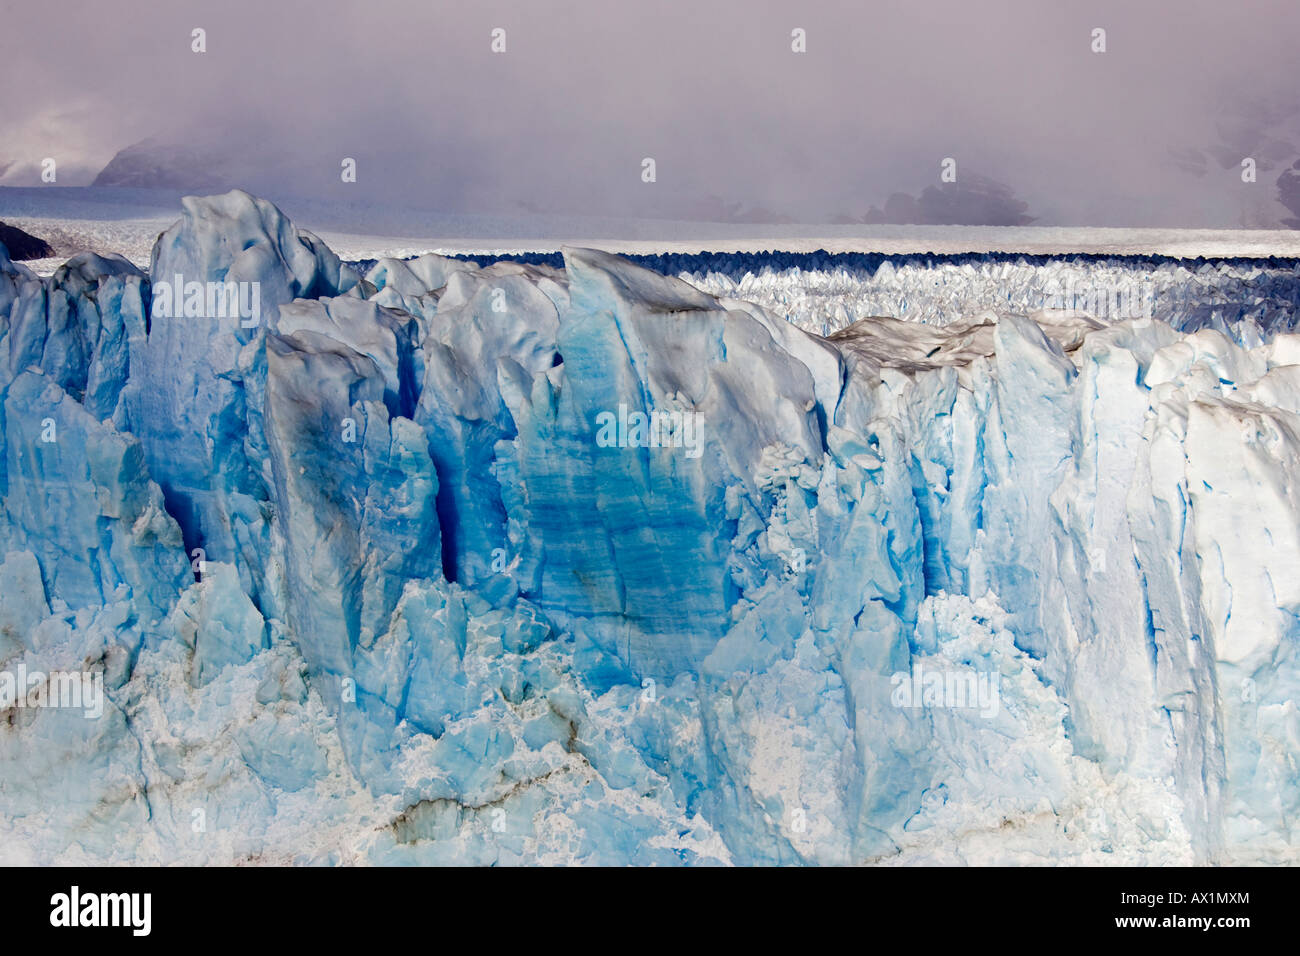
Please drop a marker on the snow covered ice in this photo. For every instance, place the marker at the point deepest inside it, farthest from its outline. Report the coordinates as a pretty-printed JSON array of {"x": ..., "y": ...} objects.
[{"x": 1009, "y": 585}]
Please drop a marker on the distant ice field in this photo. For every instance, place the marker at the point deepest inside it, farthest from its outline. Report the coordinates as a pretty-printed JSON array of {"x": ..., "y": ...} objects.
[
  {"x": 822, "y": 278},
  {"x": 128, "y": 220}
]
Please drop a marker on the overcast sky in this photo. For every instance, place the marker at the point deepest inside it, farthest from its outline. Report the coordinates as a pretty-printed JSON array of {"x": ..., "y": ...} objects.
[{"x": 710, "y": 89}]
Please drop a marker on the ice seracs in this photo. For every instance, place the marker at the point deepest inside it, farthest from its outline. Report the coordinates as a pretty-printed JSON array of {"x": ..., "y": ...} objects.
[{"x": 434, "y": 617}]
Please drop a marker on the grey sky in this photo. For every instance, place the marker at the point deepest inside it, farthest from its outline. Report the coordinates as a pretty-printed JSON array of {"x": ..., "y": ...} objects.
[{"x": 710, "y": 89}]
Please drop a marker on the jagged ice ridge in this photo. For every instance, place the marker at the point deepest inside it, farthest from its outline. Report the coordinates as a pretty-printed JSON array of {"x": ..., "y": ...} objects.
[{"x": 475, "y": 635}]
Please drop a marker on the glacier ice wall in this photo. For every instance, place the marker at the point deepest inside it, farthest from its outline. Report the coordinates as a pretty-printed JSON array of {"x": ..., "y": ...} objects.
[{"x": 365, "y": 583}]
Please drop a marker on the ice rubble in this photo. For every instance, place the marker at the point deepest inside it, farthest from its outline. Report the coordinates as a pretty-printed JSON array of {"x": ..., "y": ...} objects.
[{"x": 471, "y": 635}]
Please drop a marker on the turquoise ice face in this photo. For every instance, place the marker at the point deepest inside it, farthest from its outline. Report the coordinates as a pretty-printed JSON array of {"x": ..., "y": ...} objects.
[{"x": 536, "y": 563}]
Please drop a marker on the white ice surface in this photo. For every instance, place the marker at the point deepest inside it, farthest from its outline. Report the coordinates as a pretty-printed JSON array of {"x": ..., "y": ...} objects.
[{"x": 127, "y": 221}]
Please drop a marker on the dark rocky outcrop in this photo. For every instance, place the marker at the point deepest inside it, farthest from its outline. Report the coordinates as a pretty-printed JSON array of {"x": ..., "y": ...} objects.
[{"x": 22, "y": 245}]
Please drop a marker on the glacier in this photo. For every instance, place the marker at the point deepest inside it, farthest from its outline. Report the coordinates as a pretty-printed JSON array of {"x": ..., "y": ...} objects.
[
  {"x": 1246, "y": 299},
  {"x": 363, "y": 586}
]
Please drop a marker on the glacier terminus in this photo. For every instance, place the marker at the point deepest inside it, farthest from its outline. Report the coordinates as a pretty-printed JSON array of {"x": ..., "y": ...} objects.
[{"x": 577, "y": 561}]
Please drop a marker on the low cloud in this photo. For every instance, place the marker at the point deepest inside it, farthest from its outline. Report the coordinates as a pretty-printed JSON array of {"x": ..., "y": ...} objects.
[
  {"x": 973, "y": 201},
  {"x": 586, "y": 90}
]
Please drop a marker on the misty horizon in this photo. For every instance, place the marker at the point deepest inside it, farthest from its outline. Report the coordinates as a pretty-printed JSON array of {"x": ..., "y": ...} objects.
[{"x": 855, "y": 128}]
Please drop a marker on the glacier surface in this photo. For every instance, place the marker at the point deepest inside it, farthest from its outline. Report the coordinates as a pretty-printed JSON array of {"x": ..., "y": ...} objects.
[{"x": 363, "y": 585}]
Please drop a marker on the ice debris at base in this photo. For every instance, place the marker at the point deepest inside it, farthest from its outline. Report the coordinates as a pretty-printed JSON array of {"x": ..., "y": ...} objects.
[{"x": 363, "y": 586}]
